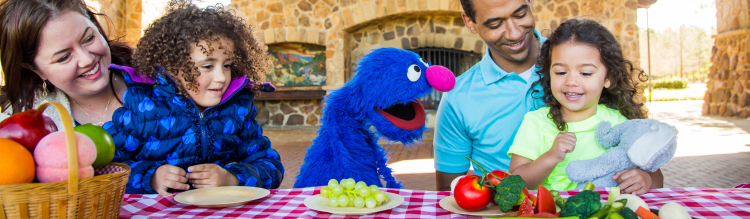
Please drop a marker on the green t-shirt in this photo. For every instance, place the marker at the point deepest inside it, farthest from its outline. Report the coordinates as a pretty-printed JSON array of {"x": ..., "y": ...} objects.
[{"x": 538, "y": 132}]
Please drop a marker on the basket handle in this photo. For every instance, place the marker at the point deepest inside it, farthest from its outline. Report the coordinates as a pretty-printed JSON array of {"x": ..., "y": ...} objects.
[{"x": 70, "y": 140}]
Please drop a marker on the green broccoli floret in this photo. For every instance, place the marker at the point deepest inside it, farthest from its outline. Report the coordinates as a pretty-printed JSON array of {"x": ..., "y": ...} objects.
[
  {"x": 582, "y": 205},
  {"x": 627, "y": 213},
  {"x": 508, "y": 192}
]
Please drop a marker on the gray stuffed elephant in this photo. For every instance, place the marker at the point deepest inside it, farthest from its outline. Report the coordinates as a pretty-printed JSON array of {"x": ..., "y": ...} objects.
[{"x": 646, "y": 144}]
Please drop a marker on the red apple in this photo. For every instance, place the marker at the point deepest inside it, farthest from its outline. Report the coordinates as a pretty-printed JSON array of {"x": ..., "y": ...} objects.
[{"x": 27, "y": 128}]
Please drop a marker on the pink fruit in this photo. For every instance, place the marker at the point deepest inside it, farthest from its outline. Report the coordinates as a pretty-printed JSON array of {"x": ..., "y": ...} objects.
[{"x": 51, "y": 156}]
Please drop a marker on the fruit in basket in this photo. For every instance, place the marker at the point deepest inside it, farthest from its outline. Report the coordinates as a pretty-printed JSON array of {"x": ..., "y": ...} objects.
[
  {"x": 470, "y": 194},
  {"x": 16, "y": 163},
  {"x": 351, "y": 194},
  {"x": 51, "y": 156},
  {"x": 105, "y": 146},
  {"x": 27, "y": 128}
]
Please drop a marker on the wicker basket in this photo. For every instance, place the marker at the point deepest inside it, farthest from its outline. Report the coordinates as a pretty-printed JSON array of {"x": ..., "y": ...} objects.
[{"x": 96, "y": 197}]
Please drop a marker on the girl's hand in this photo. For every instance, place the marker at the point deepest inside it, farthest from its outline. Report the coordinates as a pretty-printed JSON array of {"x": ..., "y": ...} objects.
[
  {"x": 168, "y": 177},
  {"x": 633, "y": 180},
  {"x": 210, "y": 175},
  {"x": 564, "y": 143}
]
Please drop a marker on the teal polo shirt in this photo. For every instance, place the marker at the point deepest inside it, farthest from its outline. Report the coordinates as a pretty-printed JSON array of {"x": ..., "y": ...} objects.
[{"x": 480, "y": 116}]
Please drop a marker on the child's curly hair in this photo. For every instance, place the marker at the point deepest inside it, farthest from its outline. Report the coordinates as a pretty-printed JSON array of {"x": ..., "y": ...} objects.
[
  {"x": 624, "y": 77},
  {"x": 168, "y": 41}
]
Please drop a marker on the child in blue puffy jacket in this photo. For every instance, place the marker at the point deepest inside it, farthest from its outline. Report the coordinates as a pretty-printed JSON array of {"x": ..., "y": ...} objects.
[{"x": 189, "y": 120}]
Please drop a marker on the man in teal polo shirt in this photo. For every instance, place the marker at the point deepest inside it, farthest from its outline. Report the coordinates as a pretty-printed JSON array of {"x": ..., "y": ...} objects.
[{"x": 480, "y": 116}]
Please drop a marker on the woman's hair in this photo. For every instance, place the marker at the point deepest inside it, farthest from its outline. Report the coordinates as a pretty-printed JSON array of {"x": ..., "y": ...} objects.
[
  {"x": 21, "y": 26},
  {"x": 623, "y": 76},
  {"x": 169, "y": 40}
]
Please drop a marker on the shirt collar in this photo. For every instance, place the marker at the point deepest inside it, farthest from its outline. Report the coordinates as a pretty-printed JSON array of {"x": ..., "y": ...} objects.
[{"x": 492, "y": 73}]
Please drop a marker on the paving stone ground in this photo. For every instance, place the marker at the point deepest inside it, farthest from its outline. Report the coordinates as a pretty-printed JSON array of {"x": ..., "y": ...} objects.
[{"x": 712, "y": 152}]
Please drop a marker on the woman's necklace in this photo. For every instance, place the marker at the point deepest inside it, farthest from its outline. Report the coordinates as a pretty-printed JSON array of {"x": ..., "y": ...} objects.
[{"x": 103, "y": 113}]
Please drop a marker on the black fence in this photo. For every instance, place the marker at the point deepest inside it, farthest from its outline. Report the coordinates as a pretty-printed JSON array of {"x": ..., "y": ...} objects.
[{"x": 457, "y": 61}]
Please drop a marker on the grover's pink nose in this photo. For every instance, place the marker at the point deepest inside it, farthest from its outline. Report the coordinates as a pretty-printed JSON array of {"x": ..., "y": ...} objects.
[{"x": 440, "y": 78}]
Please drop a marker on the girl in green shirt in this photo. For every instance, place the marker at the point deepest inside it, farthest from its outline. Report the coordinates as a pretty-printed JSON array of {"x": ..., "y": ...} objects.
[{"x": 585, "y": 80}]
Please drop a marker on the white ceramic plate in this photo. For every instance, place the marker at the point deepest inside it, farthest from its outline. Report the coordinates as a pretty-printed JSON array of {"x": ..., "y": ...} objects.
[
  {"x": 318, "y": 203},
  {"x": 449, "y": 204},
  {"x": 220, "y": 197}
]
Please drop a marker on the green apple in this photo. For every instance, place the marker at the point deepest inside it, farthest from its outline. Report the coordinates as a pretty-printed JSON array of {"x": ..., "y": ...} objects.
[{"x": 105, "y": 146}]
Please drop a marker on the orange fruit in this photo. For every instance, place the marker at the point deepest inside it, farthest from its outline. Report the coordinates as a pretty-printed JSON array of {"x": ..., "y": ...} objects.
[{"x": 16, "y": 163}]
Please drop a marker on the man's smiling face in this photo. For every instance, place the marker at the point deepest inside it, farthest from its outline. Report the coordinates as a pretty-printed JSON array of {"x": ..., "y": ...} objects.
[{"x": 507, "y": 27}]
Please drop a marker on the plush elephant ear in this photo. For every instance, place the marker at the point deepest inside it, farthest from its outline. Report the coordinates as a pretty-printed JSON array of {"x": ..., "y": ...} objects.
[
  {"x": 654, "y": 148},
  {"x": 608, "y": 136}
]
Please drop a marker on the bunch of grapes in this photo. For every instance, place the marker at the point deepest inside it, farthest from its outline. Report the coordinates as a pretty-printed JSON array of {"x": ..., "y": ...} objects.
[{"x": 352, "y": 194}]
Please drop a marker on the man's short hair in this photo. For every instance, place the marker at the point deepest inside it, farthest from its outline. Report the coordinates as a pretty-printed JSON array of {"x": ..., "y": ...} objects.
[{"x": 469, "y": 9}]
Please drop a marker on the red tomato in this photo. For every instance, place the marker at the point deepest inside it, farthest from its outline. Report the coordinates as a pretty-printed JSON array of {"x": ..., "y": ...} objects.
[
  {"x": 542, "y": 215},
  {"x": 470, "y": 195},
  {"x": 498, "y": 173},
  {"x": 531, "y": 197},
  {"x": 545, "y": 202},
  {"x": 526, "y": 208}
]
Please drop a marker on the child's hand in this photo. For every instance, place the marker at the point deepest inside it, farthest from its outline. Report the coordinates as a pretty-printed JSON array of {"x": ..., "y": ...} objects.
[
  {"x": 564, "y": 143},
  {"x": 633, "y": 180},
  {"x": 168, "y": 177},
  {"x": 210, "y": 175}
]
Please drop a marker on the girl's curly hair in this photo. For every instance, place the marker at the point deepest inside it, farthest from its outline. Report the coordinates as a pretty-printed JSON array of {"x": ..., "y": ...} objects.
[
  {"x": 623, "y": 76},
  {"x": 169, "y": 40}
]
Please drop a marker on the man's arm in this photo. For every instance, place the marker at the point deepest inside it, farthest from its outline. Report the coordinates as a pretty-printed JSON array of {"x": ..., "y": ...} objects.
[{"x": 443, "y": 180}]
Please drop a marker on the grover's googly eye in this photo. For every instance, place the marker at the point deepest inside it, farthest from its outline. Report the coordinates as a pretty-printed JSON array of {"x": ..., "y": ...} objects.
[
  {"x": 414, "y": 72},
  {"x": 425, "y": 62}
]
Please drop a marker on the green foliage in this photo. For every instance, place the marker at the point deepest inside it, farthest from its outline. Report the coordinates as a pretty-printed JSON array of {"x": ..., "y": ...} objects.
[
  {"x": 674, "y": 84},
  {"x": 582, "y": 205},
  {"x": 508, "y": 192}
]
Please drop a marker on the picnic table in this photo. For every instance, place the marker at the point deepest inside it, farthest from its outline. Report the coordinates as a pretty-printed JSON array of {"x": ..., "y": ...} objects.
[{"x": 288, "y": 203}]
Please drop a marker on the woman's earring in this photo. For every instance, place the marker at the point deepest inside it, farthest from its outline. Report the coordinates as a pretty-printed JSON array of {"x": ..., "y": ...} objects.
[{"x": 44, "y": 90}]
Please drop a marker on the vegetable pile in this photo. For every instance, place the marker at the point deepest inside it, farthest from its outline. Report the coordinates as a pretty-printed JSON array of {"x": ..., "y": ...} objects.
[{"x": 509, "y": 193}]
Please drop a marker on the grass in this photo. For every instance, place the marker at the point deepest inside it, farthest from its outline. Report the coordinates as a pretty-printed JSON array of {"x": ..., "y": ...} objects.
[{"x": 694, "y": 91}]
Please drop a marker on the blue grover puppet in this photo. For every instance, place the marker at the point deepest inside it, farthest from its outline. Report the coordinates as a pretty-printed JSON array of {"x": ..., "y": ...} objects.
[{"x": 382, "y": 94}]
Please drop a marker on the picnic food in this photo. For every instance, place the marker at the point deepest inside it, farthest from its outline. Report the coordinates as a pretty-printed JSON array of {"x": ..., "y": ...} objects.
[
  {"x": 52, "y": 160},
  {"x": 16, "y": 163},
  {"x": 633, "y": 201},
  {"x": 583, "y": 204},
  {"x": 27, "y": 128},
  {"x": 349, "y": 193},
  {"x": 673, "y": 210},
  {"x": 470, "y": 194},
  {"x": 105, "y": 146}
]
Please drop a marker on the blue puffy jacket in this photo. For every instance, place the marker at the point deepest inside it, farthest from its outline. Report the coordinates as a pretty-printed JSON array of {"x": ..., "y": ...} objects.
[{"x": 158, "y": 126}]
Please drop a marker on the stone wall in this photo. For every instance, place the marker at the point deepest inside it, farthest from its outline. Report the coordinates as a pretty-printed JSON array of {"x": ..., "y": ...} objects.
[
  {"x": 619, "y": 16},
  {"x": 288, "y": 112},
  {"x": 728, "y": 86}
]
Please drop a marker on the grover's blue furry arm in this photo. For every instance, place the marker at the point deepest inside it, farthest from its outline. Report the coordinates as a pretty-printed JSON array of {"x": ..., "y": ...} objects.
[{"x": 382, "y": 95}]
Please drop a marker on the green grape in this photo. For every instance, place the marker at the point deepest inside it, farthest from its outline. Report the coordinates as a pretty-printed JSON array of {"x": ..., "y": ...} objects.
[
  {"x": 333, "y": 202},
  {"x": 337, "y": 190},
  {"x": 364, "y": 192},
  {"x": 343, "y": 200},
  {"x": 359, "y": 202},
  {"x": 374, "y": 189},
  {"x": 370, "y": 202},
  {"x": 351, "y": 201},
  {"x": 332, "y": 183},
  {"x": 348, "y": 183},
  {"x": 325, "y": 192},
  {"x": 380, "y": 196},
  {"x": 360, "y": 184}
]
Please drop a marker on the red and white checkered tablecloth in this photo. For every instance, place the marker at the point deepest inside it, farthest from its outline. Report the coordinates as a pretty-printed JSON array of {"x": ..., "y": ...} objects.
[{"x": 288, "y": 203}]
